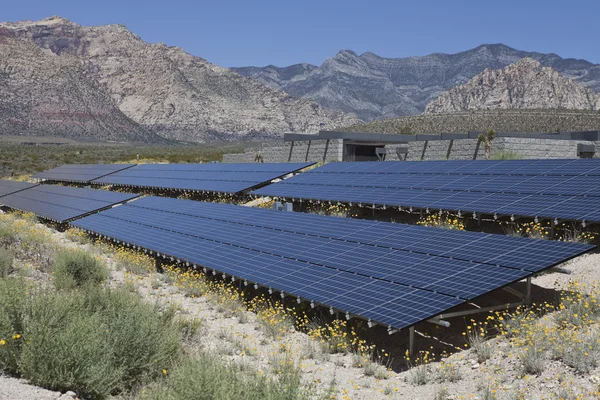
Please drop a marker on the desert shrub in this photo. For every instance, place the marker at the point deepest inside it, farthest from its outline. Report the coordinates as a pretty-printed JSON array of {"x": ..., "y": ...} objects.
[
  {"x": 97, "y": 342},
  {"x": 77, "y": 268},
  {"x": 208, "y": 377},
  {"x": 478, "y": 342},
  {"x": 6, "y": 262},
  {"x": 533, "y": 360},
  {"x": 68, "y": 348},
  {"x": 13, "y": 295}
]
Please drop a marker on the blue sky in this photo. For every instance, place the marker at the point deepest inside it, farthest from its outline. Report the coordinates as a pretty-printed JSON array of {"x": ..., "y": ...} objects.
[{"x": 239, "y": 33}]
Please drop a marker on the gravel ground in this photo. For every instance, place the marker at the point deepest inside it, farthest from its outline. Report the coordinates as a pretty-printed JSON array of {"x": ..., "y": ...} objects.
[{"x": 19, "y": 389}]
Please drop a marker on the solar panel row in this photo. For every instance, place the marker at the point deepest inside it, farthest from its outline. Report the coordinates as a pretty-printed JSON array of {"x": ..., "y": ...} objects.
[
  {"x": 222, "y": 178},
  {"x": 8, "y": 187},
  {"x": 82, "y": 173},
  {"x": 565, "y": 167},
  {"x": 373, "y": 269},
  {"x": 563, "y": 189},
  {"x": 61, "y": 204}
]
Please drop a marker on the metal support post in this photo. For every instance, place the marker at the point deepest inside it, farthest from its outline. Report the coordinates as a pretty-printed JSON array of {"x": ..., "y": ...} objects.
[
  {"x": 476, "y": 149},
  {"x": 449, "y": 149},
  {"x": 424, "y": 149},
  {"x": 307, "y": 150},
  {"x": 291, "y": 149},
  {"x": 411, "y": 341},
  {"x": 528, "y": 295},
  {"x": 158, "y": 265},
  {"x": 325, "y": 152}
]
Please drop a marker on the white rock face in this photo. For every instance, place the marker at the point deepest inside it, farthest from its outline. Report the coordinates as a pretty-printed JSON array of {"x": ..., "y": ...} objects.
[
  {"x": 172, "y": 93},
  {"x": 523, "y": 85}
]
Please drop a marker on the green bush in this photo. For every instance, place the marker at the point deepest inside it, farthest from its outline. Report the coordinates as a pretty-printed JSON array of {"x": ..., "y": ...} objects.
[
  {"x": 97, "y": 342},
  {"x": 68, "y": 347},
  {"x": 13, "y": 295},
  {"x": 75, "y": 268},
  {"x": 208, "y": 377},
  {"x": 6, "y": 262}
]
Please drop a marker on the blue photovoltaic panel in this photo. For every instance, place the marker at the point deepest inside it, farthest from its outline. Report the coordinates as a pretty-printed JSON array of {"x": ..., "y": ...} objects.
[
  {"x": 563, "y": 189},
  {"x": 223, "y": 178},
  {"x": 83, "y": 173},
  {"x": 337, "y": 262},
  {"x": 60, "y": 203},
  {"x": 9, "y": 187}
]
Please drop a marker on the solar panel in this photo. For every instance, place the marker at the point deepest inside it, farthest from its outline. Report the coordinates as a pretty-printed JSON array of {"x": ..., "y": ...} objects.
[
  {"x": 60, "y": 203},
  {"x": 562, "y": 189},
  {"x": 8, "y": 187},
  {"x": 222, "y": 178},
  {"x": 376, "y": 270},
  {"x": 81, "y": 173}
]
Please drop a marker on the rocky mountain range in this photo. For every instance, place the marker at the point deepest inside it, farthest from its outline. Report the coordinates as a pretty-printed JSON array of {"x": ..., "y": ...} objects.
[
  {"x": 42, "y": 94},
  {"x": 151, "y": 90},
  {"x": 374, "y": 87},
  {"x": 523, "y": 85}
]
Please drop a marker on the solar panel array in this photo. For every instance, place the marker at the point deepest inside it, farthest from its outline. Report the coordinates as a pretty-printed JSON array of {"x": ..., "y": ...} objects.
[
  {"x": 81, "y": 173},
  {"x": 563, "y": 189},
  {"x": 8, "y": 187},
  {"x": 223, "y": 178},
  {"x": 393, "y": 274},
  {"x": 60, "y": 203}
]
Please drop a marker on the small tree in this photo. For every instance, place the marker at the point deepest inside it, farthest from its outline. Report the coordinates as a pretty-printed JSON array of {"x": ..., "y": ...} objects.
[{"x": 487, "y": 142}]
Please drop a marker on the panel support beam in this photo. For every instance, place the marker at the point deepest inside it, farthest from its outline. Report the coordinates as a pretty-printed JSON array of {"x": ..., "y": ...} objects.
[
  {"x": 479, "y": 310},
  {"x": 291, "y": 150},
  {"x": 411, "y": 341},
  {"x": 424, "y": 150},
  {"x": 307, "y": 150},
  {"x": 325, "y": 152},
  {"x": 476, "y": 149},
  {"x": 449, "y": 149}
]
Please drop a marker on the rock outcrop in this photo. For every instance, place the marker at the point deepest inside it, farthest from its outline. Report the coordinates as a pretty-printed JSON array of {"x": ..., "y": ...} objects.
[
  {"x": 523, "y": 85},
  {"x": 42, "y": 94}
]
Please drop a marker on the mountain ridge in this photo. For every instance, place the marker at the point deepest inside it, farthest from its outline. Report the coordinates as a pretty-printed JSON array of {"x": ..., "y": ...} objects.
[
  {"x": 375, "y": 87},
  {"x": 172, "y": 93}
]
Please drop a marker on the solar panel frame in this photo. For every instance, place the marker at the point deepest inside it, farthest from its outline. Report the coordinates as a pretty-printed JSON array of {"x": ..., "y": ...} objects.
[
  {"x": 219, "y": 178},
  {"x": 9, "y": 187},
  {"x": 290, "y": 281},
  {"x": 63, "y": 204},
  {"x": 80, "y": 173},
  {"x": 252, "y": 236},
  {"x": 527, "y": 188}
]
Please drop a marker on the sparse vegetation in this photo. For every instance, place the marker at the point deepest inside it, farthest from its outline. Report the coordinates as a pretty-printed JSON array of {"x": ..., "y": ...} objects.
[
  {"x": 6, "y": 262},
  {"x": 22, "y": 159}
]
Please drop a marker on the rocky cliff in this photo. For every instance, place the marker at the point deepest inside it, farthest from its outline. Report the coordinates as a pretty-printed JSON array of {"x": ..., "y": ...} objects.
[
  {"x": 170, "y": 92},
  {"x": 523, "y": 85},
  {"x": 375, "y": 87},
  {"x": 43, "y": 94}
]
